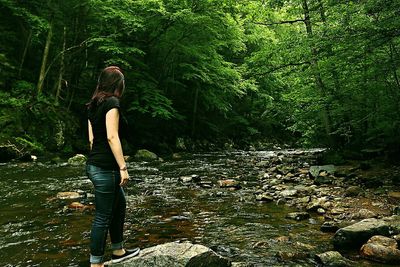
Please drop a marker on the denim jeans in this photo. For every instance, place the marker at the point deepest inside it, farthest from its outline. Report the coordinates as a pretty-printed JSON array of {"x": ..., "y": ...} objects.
[{"x": 110, "y": 205}]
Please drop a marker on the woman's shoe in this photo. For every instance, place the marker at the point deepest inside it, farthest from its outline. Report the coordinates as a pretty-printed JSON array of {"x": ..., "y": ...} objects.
[{"x": 129, "y": 253}]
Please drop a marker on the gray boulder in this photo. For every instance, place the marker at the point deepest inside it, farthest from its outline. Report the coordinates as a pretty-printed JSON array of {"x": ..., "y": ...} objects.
[
  {"x": 357, "y": 234},
  {"x": 176, "y": 254}
]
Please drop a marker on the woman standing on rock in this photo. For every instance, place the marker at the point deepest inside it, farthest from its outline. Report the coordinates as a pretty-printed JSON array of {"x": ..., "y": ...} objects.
[{"x": 106, "y": 168}]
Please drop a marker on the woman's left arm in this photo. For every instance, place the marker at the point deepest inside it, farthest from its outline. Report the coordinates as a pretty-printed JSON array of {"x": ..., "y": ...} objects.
[
  {"x": 90, "y": 134},
  {"x": 112, "y": 126}
]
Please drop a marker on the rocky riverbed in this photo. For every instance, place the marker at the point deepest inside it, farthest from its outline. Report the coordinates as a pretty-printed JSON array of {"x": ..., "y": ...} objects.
[{"x": 257, "y": 208}]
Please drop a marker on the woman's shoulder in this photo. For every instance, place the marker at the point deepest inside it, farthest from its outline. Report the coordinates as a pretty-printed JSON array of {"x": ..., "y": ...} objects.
[
  {"x": 112, "y": 99},
  {"x": 111, "y": 102}
]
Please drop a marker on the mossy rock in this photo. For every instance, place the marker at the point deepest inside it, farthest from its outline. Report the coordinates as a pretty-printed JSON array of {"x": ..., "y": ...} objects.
[
  {"x": 144, "y": 154},
  {"x": 77, "y": 160}
]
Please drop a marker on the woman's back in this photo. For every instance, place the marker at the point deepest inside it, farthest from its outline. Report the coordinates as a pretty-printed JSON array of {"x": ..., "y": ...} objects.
[{"x": 101, "y": 154}]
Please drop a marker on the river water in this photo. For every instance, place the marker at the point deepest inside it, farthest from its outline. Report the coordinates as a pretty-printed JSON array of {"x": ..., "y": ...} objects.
[{"x": 36, "y": 229}]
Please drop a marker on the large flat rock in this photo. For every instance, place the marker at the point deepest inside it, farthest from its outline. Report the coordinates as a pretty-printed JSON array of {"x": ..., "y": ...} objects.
[{"x": 176, "y": 254}]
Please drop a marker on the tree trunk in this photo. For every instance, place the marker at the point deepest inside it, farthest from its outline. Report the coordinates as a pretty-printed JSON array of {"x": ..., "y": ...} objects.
[
  {"x": 334, "y": 71},
  {"x": 71, "y": 99},
  {"x": 316, "y": 72},
  {"x": 28, "y": 41},
  {"x": 61, "y": 73},
  {"x": 42, "y": 74},
  {"x": 195, "y": 102},
  {"x": 393, "y": 63}
]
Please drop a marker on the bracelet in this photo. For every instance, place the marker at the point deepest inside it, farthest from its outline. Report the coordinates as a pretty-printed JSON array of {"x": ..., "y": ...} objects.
[{"x": 123, "y": 168}]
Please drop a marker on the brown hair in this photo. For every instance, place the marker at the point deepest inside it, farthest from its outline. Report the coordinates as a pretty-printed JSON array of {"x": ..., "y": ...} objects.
[{"x": 111, "y": 82}]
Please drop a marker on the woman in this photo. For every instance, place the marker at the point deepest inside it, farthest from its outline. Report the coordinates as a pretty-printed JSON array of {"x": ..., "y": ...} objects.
[{"x": 106, "y": 168}]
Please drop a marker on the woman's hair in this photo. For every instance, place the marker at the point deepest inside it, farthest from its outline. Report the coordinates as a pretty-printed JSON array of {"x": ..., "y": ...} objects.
[{"x": 110, "y": 83}]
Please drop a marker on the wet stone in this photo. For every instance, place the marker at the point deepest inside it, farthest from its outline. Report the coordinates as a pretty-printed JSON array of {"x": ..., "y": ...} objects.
[
  {"x": 321, "y": 211},
  {"x": 206, "y": 184},
  {"x": 264, "y": 197},
  {"x": 241, "y": 264},
  {"x": 177, "y": 218},
  {"x": 329, "y": 227},
  {"x": 288, "y": 193},
  {"x": 352, "y": 191},
  {"x": 384, "y": 241},
  {"x": 304, "y": 189},
  {"x": 284, "y": 170},
  {"x": 338, "y": 211},
  {"x": 68, "y": 195},
  {"x": 281, "y": 201},
  {"x": 188, "y": 179},
  {"x": 77, "y": 160},
  {"x": 304, "y": 200},
  {"x": 144, "y": 154},
  {"x": 315, "y": 171},
  {"x": 355, "y": 235},
  {"x": 76, "y": 205},
  {"x": 229, "y": 183},
  {"x": 381, "y": 249},
  {"x": 397, "y": 238},
  {"x": 274, "y": 182},
  {"x": 185, "y": 179},
  {"x": 303, "y": 171},
  {"x": 298, "y": 216},
  {"x": 395, "y": 195},
  {"x": 333, "y": 259},
  {"x": 320, "y": 180},
  {"x": 292, "y": 255},
  {"x": 282, "y": 239},
  {"x": 176, "y": 254},
  {"x": 363, "y": 214},
  {"x": 315, "y": 204}
]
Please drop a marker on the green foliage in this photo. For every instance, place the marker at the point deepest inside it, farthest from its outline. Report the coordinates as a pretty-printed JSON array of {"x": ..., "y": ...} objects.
[
  {"x": 325, "y": 73},
  {"x": 27, "y": 144},
  {"x": 153, "y": 102}
]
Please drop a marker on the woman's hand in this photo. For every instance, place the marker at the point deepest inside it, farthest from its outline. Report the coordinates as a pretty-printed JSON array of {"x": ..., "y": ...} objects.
[{"x": 124, "y": 177}]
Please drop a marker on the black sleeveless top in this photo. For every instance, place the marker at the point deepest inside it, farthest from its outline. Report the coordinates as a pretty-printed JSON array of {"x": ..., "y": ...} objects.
[{"x": 101, "y": 154}]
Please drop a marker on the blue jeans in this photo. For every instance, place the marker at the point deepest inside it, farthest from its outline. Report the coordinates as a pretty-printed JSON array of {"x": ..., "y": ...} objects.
[{"x": 110, "y": 205}]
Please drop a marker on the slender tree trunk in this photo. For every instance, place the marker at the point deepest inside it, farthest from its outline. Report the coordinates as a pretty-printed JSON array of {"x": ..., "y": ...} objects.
[
  {"x": 44, "y": 59},
  {"x": 195, "y": 103},
  {"x": 316, "y": 72},
  {"x": 27, "y": 43},
  {"x": 334, "y": 71},
  {"x": 71, "y": 99},
  {"x": 394, "y": 67},
  {"x": 395, "y": 93},
  {"x": 61, "y": 73}
]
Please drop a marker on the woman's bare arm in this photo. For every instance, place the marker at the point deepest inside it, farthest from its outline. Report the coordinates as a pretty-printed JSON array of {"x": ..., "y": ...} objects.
[
  {"x": 90, "y": 134},
  {"x": 112, "y": 125}
]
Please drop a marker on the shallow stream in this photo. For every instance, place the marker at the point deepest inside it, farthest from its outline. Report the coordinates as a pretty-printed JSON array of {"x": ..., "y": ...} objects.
[{"x": 37, "y": 230}]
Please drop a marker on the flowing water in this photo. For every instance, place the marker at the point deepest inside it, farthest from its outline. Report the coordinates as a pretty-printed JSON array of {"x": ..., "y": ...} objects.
[{"x": 36, "y": 229}]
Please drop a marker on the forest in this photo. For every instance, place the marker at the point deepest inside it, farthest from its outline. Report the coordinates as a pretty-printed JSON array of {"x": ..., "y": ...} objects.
[{"x": 215, "y": 73}]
